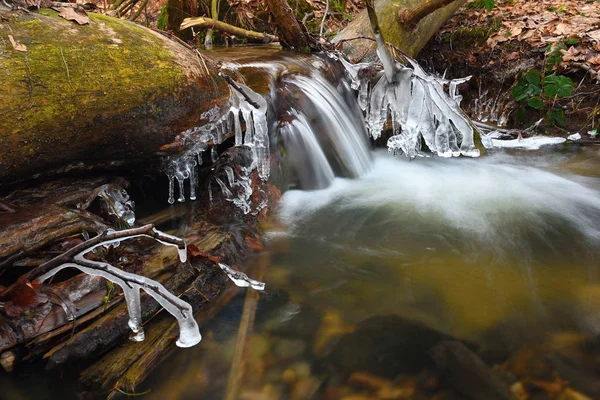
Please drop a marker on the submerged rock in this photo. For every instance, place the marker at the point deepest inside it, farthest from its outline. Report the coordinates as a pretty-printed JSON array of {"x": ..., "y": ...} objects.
[{"x": 385, "y": 346}]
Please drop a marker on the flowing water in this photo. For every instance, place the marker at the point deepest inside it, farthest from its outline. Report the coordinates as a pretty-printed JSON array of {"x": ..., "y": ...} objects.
[{"x": 500, "y": 252}]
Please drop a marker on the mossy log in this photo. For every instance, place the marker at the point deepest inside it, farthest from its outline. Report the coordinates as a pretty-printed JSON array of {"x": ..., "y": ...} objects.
[
  {"x": 104, "y": 94},
  {"x": 407, "y": 37}
]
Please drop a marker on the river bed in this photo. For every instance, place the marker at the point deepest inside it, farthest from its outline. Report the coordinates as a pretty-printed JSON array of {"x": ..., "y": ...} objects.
[{"x": 500, "y": 252}]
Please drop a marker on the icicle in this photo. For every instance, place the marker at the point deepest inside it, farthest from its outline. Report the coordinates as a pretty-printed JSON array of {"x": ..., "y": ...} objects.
[
  {"x": 171, "y": 177},
  {"x": 193, "y": 178},
  {"x": 189, "y": 334},
  {"x": 241, "y": 279}
]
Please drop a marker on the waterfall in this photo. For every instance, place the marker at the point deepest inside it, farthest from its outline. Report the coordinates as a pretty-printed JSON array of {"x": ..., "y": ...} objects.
[{"x": 323, "y": 130}]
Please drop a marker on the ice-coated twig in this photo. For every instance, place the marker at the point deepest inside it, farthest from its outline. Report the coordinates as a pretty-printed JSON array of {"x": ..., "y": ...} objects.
[
  {"x": 237, "y": 87},
  {"x": 189, "y": 334},
  {"x": 241, "y": 279}
]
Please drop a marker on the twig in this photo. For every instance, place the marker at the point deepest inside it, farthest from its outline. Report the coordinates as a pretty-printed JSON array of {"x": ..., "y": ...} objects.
[
  {"x": 139, "y": 11},
  {"x": 307, "y": 16},
  {"x": 246, "y": 325},
  {"x": 66, "y": 67},
  {"x": 323, "y": 20},
  {"x": 240, "y": 90},
  {"x": 588, "y": 68}
]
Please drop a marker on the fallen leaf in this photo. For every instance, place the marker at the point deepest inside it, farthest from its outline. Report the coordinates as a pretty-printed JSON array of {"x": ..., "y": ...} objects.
[
  {"x": 70, "y": 14},
  {"x": 16, "y": 45},
  {"x": 562, "y": 29},
  {"x": 594, "y": 60},
  {"x": 594, "y": 35}
]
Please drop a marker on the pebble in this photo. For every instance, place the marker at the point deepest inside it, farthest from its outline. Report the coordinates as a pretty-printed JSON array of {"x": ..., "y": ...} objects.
[{"x": 7, "y": 360}]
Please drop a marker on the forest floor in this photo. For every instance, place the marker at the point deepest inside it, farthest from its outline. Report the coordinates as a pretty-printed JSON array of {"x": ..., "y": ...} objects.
[{"x": 530, "y": 60}]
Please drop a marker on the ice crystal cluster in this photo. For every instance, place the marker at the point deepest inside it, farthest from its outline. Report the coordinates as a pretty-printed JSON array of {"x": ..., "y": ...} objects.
[
  {"x": 420, "y": 110},
  {"x": 256, "y": 137}
]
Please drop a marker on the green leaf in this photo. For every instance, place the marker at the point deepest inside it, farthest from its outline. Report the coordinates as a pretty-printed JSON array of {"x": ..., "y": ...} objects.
[
  {"x": 572, "y": 41},
  {"x": 536, "y": 102},
  {"x": 556, "y": 117},
  {"x": 558, "y": 85},
  {"x": 533, "y": 76},
  {"x": 479, "y": 4}
]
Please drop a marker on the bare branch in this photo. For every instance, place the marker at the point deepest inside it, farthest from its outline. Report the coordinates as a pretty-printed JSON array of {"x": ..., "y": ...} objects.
[
  {"x": 204, "y": 22},
  {"x": 412, "y": 17}
]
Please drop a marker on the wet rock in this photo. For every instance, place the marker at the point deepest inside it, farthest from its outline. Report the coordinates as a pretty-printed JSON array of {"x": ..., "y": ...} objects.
[
  {"x": 332, "y": 327},
  {"x": 466, "y": 373},
  {"x": 385, "y": 346}
]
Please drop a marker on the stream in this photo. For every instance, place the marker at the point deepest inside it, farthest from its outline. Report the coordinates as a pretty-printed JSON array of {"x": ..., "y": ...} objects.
[
  {"x": 500, "y": 251},
  {"x": 372, "y": 260}
]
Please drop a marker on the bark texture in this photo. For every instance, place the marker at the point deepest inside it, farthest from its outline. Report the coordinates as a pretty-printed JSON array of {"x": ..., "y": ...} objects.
[
  {"x": 105, "y": 94},
  {"x": 291, "y": 32},
  {"x": 411, "y": 39}
]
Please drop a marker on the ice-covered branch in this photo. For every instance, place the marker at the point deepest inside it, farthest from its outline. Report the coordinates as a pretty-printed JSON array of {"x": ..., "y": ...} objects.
[
  {"x": 189, "y": 334},
  {"x": 389, "y": 66},
  {"x": 241, "y": 279}
]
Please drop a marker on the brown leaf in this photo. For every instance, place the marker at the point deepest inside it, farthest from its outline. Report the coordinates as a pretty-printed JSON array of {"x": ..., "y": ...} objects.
[
  {"x": 70, "y": 14},
  {"x": 594, "y": 60},
  {"x": 16, "y": 44},
  {"x": 562, "y": 29}
]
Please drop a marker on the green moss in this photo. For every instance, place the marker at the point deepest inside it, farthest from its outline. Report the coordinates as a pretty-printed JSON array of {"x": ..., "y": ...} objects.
[
  {"x": 73, "y": 75},
  {"x": 467, "y": 37}
]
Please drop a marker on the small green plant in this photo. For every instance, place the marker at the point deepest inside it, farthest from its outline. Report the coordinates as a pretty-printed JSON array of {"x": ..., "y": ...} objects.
[
  {"x": 479, "y": 4},
  {"x": 162, "y": 18},
  {"x": 540, "y": 92},
  {"x": 540, "y": 89}
]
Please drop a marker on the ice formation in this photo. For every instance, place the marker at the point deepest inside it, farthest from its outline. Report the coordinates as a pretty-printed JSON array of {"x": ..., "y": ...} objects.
[
  {"x": 420, "y": 109},
  {"x": 241, "y": 279},
  {"x": 238, "y": 190},
  {"x": 118, "y": 204},
  {"x": 256, "y": 136},
  {"x": 189, "y": 334}
]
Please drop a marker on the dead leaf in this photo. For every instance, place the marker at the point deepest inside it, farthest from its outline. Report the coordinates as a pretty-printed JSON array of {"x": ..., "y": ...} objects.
[
  {"x": 16, "y": 44},
  {"x": 69, "y": 14},
  {"x": 562, "y": 29},
  {"x": 594, "y": 35},
  {"x": 594, "y": 60}
]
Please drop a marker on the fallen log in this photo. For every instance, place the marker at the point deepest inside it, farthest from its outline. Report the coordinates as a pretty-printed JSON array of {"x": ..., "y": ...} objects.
[{"x": 101, "y": 95}]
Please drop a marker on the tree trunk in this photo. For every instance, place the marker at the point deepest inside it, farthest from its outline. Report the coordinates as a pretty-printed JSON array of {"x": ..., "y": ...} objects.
[
  {"x": 105, "y": 94},
  {"x": 410, "y": 39}
]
